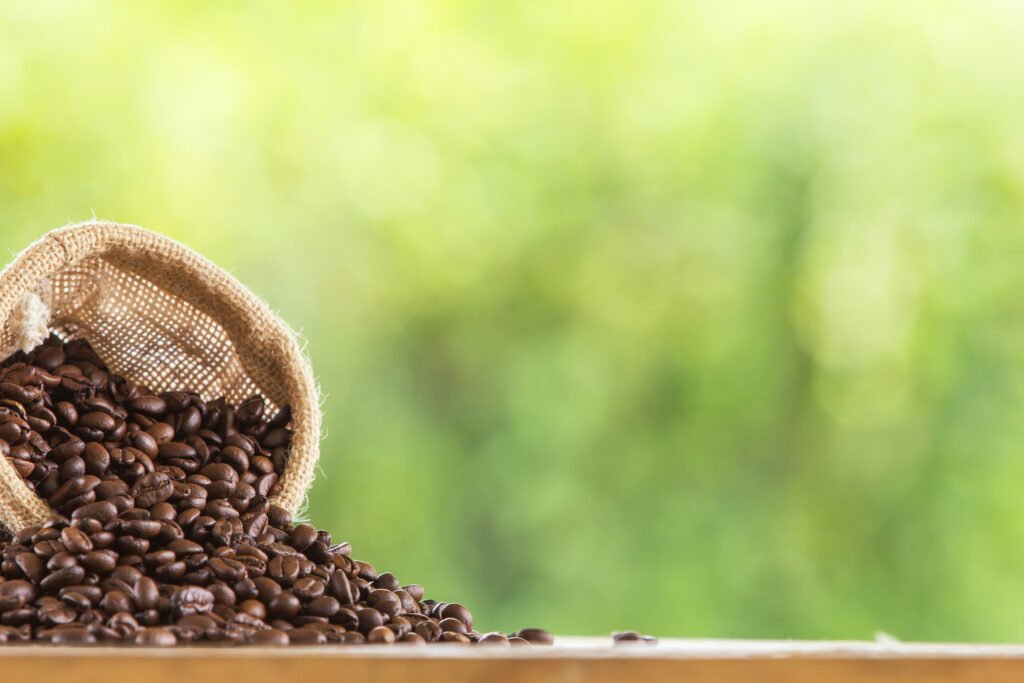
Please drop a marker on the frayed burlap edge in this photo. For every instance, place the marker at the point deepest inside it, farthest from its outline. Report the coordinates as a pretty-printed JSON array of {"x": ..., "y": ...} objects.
[{"x": 266, "y": 346}]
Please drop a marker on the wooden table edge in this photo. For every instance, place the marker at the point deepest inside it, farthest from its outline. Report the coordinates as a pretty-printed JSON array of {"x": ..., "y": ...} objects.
[{"x": 572, "y": 659}]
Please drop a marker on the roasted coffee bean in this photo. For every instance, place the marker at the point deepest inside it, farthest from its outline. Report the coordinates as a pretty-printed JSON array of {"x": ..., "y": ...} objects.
[
  {"x": 412, "y": 639},
  {"x": 536, "y": 635},
  {"x": 98, "y": 421},
  {"x": 72, "y": 468},
  {"x": 117, "y": 601},
  {"x": 67, "y": 576},
  {"x": 61, "y": 560},
  {"x": 171, "y": 572},
  {"x": 146, "y": 593},
  {"x": 16, "y": 594},
  {"x": 111, "y": 488},
  {"x": 453, "y": 625},
  {"x": 324, "y": 606},
  {"x": 308, "y": 588},
  {"x": 283, "y": 606},
  {"x": 149, "y": 404},
  {"x": 307, "y": 636},
  {"x": 75, "y": 540},
  {"x": 384, "y": 601},
  {"x": 494, "y": 639},
  {"x": 103, "y": 510},
  {"x": 227, "y": 569},
  {"x": 183, "y": 547},
  {"x": 271, "y": 636},
  {"x": 380, "y": 635},
  {"x": 141, "y": 528},
  {"x": 190, "y": 600},
  {"x": 77, "y": 635},
  {"x": 74, "y": 488},
  {"x": 156, "y": 637},
  {"x": 625, "y": 637},
  {"x": 340, "y": 588},
  {"x": 78, "y": 599},
  {"x": 97, "y": 459},
  {"x": 99, "y": 561},
  {"x": 369, "y": 619},
  {"x": 302, "y": 537},
  {"x": 152, "y": 488},
  {"x": 176, "y": 451},
  {"x": 31, "y": 566},
  {"x": 457, "y": 611}
]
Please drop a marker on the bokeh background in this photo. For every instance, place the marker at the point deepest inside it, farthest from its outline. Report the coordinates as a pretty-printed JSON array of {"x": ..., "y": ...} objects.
[{"x": 697, "y": 319}]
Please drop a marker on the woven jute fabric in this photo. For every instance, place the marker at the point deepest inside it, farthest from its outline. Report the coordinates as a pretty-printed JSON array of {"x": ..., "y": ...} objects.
[{"x": 165, "y": 317}]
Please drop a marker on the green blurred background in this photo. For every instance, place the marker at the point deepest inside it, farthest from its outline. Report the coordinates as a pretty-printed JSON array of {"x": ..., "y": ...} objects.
[{"x": 697, "y": 318}]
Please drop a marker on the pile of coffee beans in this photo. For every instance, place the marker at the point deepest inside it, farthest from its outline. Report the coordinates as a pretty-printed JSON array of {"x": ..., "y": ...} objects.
[{"x": 165, "y": 534}]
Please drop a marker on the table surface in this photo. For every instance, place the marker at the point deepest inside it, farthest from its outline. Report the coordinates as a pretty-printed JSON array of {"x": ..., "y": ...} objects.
[{"x": 570, "y": 659}]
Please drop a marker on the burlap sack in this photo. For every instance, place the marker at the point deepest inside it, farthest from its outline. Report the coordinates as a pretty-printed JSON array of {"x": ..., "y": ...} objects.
[{"x": 163, "y": 316}]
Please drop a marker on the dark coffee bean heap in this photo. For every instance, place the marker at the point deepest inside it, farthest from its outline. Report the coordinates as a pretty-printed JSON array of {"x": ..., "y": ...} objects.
[{"x": 166, "y": 534}]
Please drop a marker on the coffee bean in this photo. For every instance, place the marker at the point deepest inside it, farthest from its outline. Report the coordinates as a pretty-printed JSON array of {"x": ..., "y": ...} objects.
[
  {"x": 302, "y": 537},
  {"x": 149, "y": 404},
  {"x": 103, "y": 510},
  {"x": 16, "y": 594},
  {"x": 96, "y": 420},
  {"x": 62, "y": 577},
  {"x": 117, "y": 601},
  {"x": 457, "y": 611},
  {"x": 30, "y": 565},
  {"x": 340, "y": 588},
  {"x": 80, "y": 598},
  {"x": 227, "y": 569},
  {"x": 190, "y": 600},
  {"x": 279, "y": 517},
  {"x": 270, "y": 637},
  {"x": 78, "y": 635},
  {"x": 384, "y": 601},
  {"x": 380, "y": 635},
  {"x": 72, "y": 468},
  {"x": 284, "y": 606},
  {"x": 151, "y": 489},
  {"x": 536, "y": 635},
  {"x": 308, "y": 588},
  {"x": 99, "y": 561},
  {"x": 494, "y": 639},
  {"x": 97, "y": 459},
  {"x": 369, "y": 619},
  {"x": 183, "y": 547},
  {"x": 75, "y": 541},
  {"x": 306, "y": 636},
  {"x": 626, "y": 637},
  {"x": 146, "y": 592},
  {"x": 324, "y": 606},
  {"x": 267, "y": 588},
  {"x": 453, "y": 625},
  {"x": 156, "y": 637},
  {"x": 176, "y": 450}
]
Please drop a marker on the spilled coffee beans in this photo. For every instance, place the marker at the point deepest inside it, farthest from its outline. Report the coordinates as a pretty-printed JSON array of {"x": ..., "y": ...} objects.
[{"x": 166, "y": 535}]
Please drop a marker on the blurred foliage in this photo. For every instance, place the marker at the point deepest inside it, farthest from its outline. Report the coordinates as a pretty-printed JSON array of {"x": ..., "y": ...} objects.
[{"x": 694, "y": 318}]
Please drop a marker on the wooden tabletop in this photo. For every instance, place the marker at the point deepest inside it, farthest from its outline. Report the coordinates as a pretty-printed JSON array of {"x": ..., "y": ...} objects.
[{"x": 571, "y": 659}]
